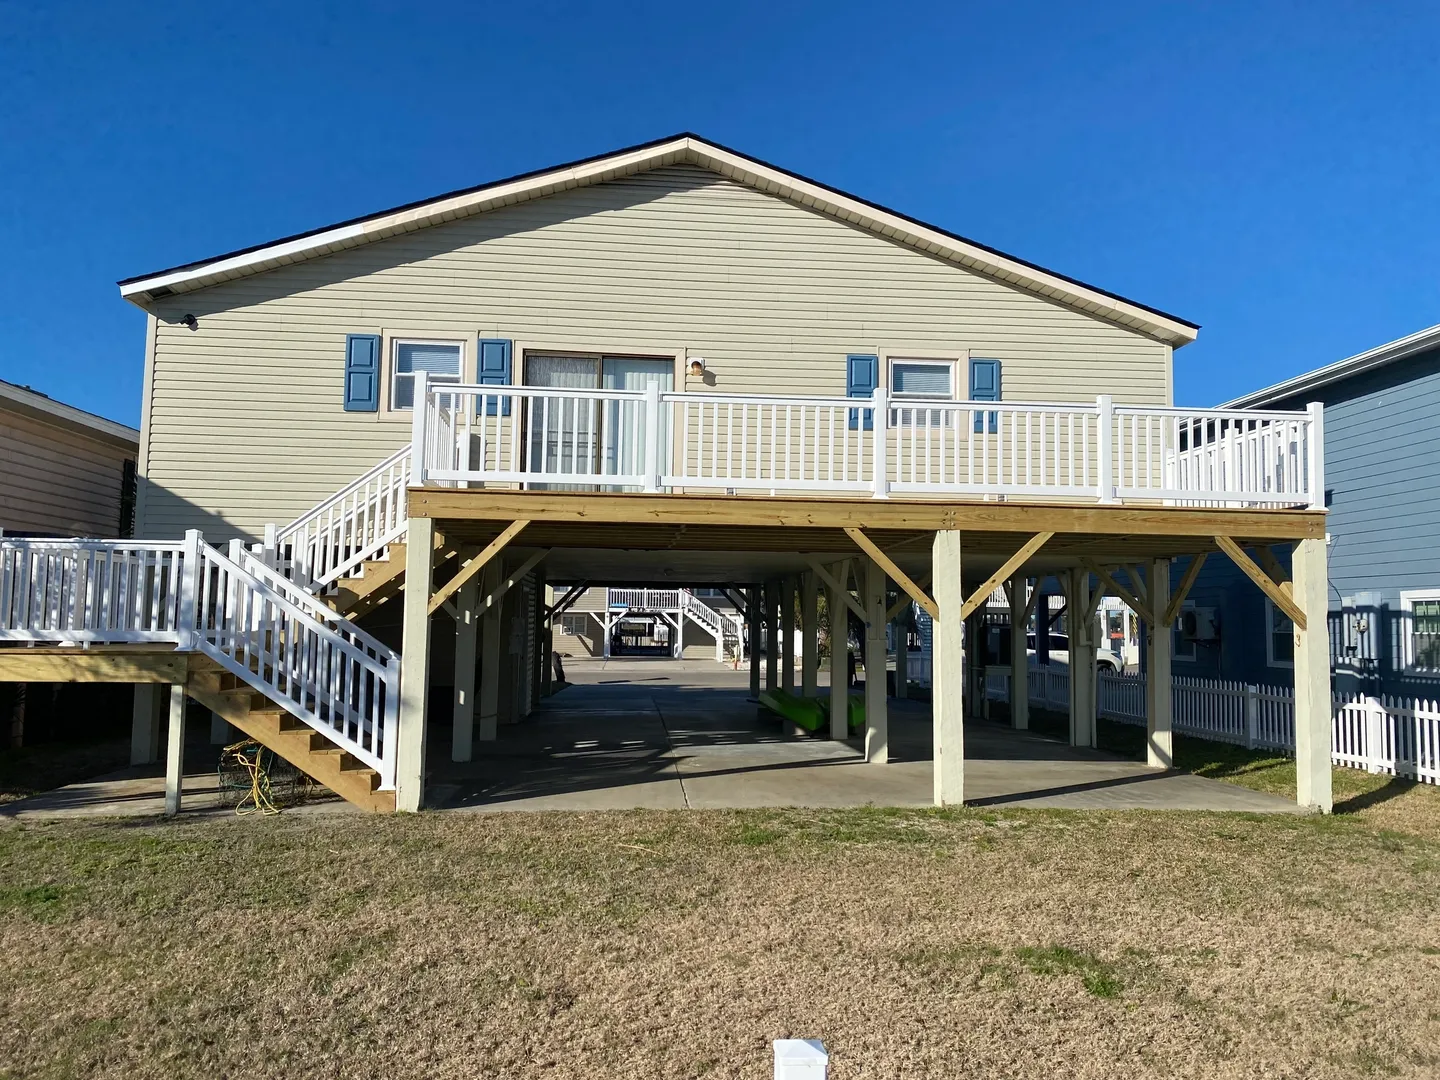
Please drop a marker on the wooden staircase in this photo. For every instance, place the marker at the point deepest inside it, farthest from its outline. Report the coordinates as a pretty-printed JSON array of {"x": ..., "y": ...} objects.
[
  {"x": 288, "y": 736},
  {"x": 379, "y": 580}
]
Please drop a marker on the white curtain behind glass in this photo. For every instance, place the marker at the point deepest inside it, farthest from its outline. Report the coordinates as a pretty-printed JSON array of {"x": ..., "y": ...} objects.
[{"x": 626, "y": 454}]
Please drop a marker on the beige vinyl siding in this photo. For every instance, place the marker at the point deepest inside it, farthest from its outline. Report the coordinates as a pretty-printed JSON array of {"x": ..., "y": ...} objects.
[
  {"x": 246, "y": 426},
  {"x": 57, "y": 482}
]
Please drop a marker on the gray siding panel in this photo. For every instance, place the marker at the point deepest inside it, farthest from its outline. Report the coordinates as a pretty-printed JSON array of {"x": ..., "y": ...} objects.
[
  {"x": 245, "y": 424},
  {"x": 57, "y": 482}
]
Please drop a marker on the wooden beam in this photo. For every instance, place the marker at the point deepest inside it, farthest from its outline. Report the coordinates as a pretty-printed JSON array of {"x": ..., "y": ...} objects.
[
  {"x": 894, "y": 572},
  {"x": 491, "y": 599},
  {"x": 563, "y": 604},
  {"x": 1032, "y": 599},
  {"x": 1139, "y": 584},
  {"x": 98, "y": 664},
  {"x": 828, "y": 579},
  {"x": 1271, "y": 565},
  {"x": 633, "y": 508},
  {"x": 475, "y": 565},
  {"x": 1119, "y": 590},
  {"x": 1182, "y": 590},
  {"x": 1281, "y": 599},
  {"x": 894, "y": 609},
  {"x": 1019, "y": 559}
]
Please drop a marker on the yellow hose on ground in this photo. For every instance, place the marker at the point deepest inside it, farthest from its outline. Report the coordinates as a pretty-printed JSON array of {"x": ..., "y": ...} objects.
[{"x": 259, "y": 800}]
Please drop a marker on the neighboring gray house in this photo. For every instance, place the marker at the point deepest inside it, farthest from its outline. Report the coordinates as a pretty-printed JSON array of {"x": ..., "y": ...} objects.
[
  {"x": 1382, "y": 461},
  {"x": 66, "y": 472}
]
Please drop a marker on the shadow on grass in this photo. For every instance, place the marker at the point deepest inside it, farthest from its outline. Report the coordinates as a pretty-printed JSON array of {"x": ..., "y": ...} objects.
[{"x": 1393, "y": 788}]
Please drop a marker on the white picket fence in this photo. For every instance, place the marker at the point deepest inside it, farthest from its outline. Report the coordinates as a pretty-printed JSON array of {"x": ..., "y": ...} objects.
[{"x": 1396, "y": 736}]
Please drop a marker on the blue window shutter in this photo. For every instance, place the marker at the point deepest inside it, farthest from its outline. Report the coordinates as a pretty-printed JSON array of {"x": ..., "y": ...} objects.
[
  {"x": 985, "y": 386},
  {"x": 493, "y": 369},
  {"x": 862, "y": 376},
  {"x": 362, "y": 372}
]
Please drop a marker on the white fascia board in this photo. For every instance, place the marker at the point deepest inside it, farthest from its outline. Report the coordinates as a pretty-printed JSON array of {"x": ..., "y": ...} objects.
[
  {"x": 1379, "y": 356},
  {"x": 402, "y": 221},
  {"x": 736, "y": 166}
]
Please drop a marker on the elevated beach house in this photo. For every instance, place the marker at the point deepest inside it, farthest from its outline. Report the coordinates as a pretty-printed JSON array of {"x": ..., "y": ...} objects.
[{"x": 366, "y": 449}]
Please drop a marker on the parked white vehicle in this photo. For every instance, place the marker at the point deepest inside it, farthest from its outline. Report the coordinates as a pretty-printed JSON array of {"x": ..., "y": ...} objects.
[{"x": 1105, "y": 659}]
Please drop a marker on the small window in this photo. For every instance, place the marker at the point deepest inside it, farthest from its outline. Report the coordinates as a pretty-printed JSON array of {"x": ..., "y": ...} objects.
[
  {"x": 440, "y": 360},
  {"x": 1422, "y": 635},
  {"x": 920, "y": 380},
  {"x": 573, "y": 625},
  {"x": 1279, "y": 637}
]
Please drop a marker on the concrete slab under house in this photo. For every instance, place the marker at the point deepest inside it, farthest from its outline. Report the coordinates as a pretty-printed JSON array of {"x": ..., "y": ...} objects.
[{"x": 713, "y": 389}]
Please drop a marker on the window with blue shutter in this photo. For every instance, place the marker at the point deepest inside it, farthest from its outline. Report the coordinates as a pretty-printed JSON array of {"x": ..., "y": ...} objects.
[
  {"x": 862, "y": 376},
  {"x": 985, "y": 386},
  {"x": 492, "y": 368},
  {"x": 362, "y": 372}
]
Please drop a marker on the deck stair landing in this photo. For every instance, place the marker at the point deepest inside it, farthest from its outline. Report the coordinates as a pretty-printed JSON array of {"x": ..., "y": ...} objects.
[{"x": 257, "y": 648}]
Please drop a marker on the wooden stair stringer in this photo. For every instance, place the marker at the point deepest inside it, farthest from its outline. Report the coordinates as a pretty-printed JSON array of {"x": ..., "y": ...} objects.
[
  {"x": 291, "y": 738},
  {"x": 379, "y": 580}
]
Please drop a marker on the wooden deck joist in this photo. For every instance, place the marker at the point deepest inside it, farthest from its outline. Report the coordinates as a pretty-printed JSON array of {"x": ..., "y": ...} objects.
[{"x": 158, "y": 663}]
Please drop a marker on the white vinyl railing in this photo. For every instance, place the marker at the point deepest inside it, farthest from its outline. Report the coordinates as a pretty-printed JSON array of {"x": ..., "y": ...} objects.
[
  {"x": 644, "y": 599},
  {"x": 261, "y": 627},
  {"x": 756, "y": 444},
  {"x": 356, "y": 523},
  {"x": 105, "y": 591}
]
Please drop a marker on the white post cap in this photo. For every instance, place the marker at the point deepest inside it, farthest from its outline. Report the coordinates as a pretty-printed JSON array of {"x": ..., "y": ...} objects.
[{"x": 800, "y": 1059}]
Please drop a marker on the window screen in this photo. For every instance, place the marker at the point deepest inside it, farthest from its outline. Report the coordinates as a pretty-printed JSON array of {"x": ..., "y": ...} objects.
[
  {"x": 441, "y": 362},
  {"x": 1425, "y": 633}
]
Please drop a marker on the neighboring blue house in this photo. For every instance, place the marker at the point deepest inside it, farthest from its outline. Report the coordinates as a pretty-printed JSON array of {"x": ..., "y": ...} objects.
[{"x": 1382, "y": 480}]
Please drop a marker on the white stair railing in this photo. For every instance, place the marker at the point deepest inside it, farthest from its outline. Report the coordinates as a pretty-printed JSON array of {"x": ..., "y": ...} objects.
[
  {"x": 335, "y": 538},
  {"x": 265, "y": 630}
]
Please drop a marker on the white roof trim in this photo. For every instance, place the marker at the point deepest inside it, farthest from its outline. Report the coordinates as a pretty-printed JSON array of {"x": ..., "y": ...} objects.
[
  {"x": 691, "y": 150},
  {"x": 1379, "y": 356},
  {"x": 34, "y": 403}
]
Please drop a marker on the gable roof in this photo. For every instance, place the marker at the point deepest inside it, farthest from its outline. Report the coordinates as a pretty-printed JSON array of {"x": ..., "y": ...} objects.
[
  {"x": 33, "y": 403},
  {"x": 684, "y": 148},
  {"x": 1369, "y": 360}
]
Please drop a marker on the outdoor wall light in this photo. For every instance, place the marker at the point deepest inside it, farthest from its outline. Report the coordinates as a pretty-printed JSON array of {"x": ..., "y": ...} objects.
[
  {"x": 191, "y": 322},
  {"x": 697, "y": 366}
]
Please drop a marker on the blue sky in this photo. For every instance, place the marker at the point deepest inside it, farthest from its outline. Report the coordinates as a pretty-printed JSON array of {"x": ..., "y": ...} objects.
[{"x": 1265, "y": 169}]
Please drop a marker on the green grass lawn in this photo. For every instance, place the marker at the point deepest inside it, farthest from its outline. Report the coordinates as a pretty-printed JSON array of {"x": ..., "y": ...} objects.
[{"x": 679, "y": 943}]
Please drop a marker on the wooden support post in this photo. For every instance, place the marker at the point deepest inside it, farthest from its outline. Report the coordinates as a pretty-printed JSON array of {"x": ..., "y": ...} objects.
[
  {"x": 947, "y": 706},
  {"x": 839, "y": 585},
  {"x": 809, "y": 635},
  {"x": 487, "y": 696},
  {"x": 175, "y": 751},
  {"x": 1159, "y": 695},
  {"x": 145, "y": 724},
  {"x": 839, "y": 652},
  {"x": 414, "y": 665},
  {"x": 1312, "y": 679},
  {"x": 1082, "y": 660},
  {"x": 756, "y": 623},
  {"x": 1137, "y": 603},
  {"x": 467, "y": 637},
  {"x": 1019, "y": 659},
  {"x": 877, "y": 720},
  {"x": 787, "y": 634},
  {"x": 772, "y": 635}
]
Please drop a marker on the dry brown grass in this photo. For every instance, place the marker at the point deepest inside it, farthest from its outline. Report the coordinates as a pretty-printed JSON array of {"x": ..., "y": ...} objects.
[{"x": 944, "y": 944}]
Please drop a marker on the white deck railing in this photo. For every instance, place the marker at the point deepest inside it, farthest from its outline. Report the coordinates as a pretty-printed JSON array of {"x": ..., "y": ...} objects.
[
  {"x": 260, "y": 627},
  {"x": 358, "y": 522},
  {"x": 754, "y": 444}
]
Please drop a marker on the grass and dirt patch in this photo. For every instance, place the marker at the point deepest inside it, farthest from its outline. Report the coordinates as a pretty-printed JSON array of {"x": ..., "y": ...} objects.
[
  {"x": 30, "y": 770},
  {"x": 917, "y": 943}
]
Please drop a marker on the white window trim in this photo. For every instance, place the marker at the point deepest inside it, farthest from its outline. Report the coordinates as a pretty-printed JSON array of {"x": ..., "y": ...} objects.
[
  {"x": 1179, "y": 638},
  {"x": 394, "y": 359},
  {"x": 1407, "y": 634},
  {"x": 1270, "y": 632},
  {"x": 891, "y": 359}
]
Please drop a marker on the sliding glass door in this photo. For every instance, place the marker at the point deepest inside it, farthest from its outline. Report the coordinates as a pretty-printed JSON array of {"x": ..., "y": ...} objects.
[{"x": 579, "y": 435}]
